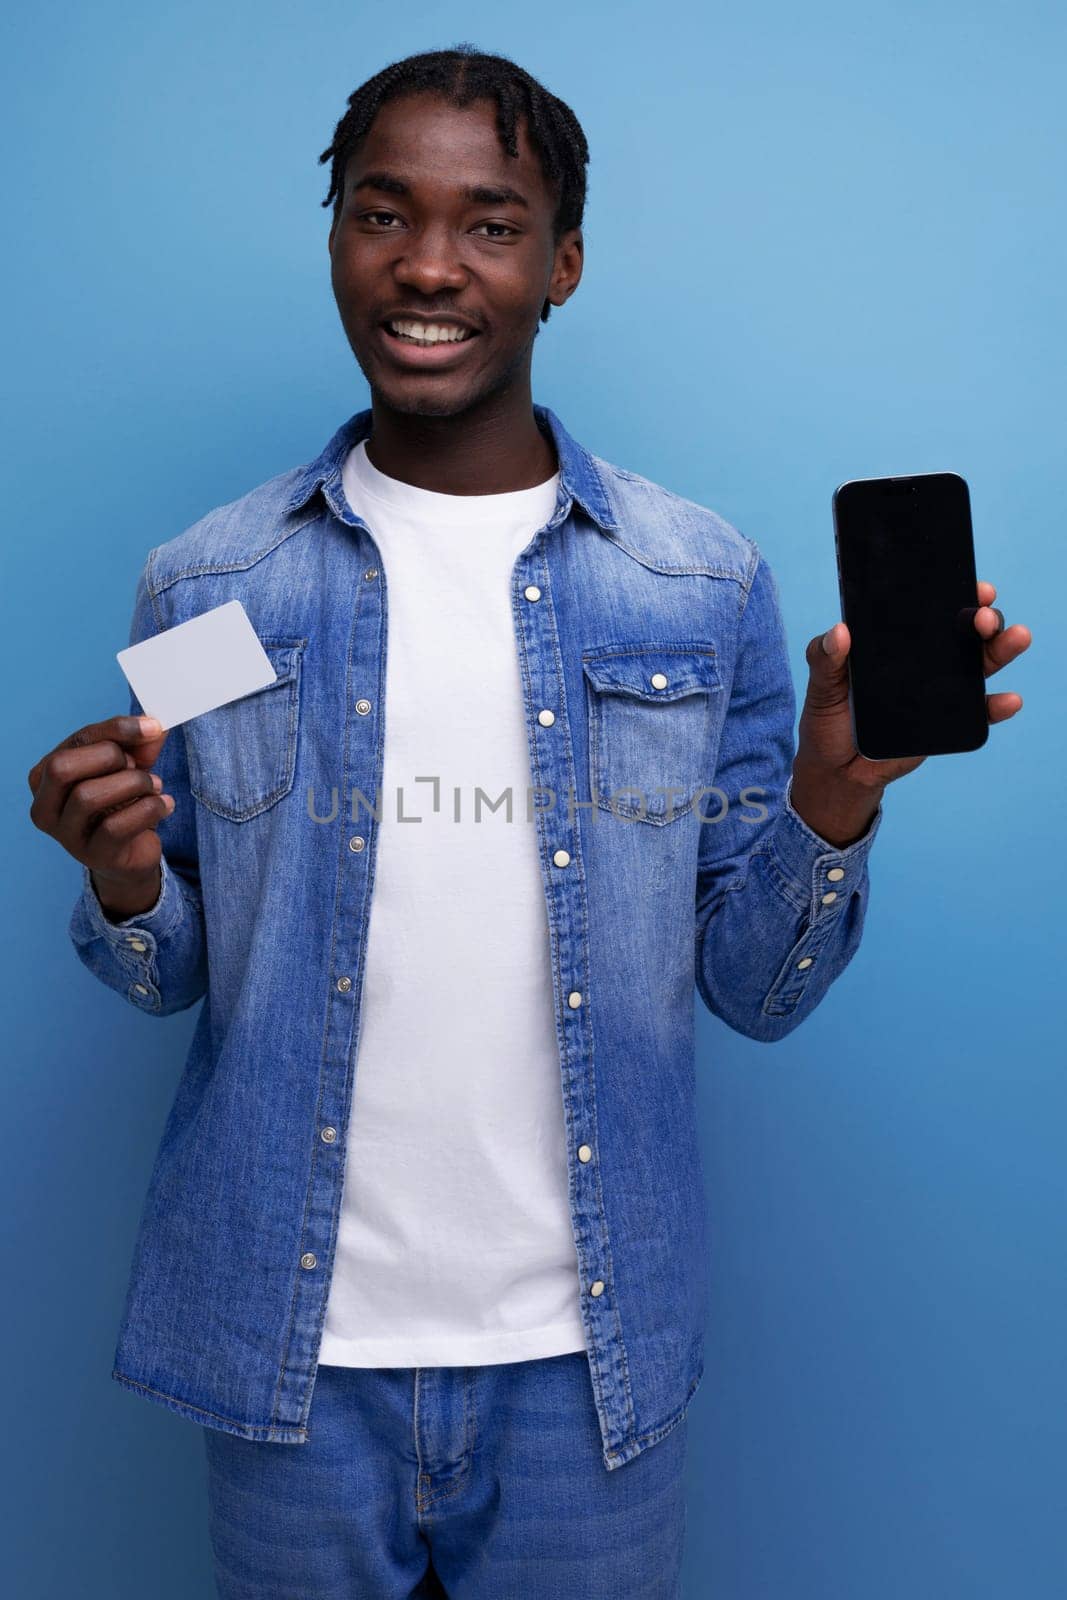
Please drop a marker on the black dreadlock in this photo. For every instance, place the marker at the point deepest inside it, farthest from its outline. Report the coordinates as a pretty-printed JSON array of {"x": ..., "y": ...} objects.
[{"x": 459, "y": 76}]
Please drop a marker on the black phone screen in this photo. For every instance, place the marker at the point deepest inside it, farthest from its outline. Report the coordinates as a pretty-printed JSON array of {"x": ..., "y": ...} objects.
[{"x": 905, "y": 561}]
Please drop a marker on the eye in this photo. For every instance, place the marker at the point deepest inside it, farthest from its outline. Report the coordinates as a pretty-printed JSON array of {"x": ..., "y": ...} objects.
[{"x": 390, "y": 215}]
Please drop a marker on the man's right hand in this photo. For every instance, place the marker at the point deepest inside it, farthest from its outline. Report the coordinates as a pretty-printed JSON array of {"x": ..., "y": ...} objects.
[{"x": 95, "y": 795}]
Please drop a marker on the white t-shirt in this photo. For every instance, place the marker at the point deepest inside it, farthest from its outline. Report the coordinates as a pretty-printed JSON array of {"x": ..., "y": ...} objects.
[{"x": 455, "y": 1245}]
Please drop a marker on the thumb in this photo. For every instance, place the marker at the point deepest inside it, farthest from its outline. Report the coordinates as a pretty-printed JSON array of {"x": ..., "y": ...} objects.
[{"x": 827, "y": 658}]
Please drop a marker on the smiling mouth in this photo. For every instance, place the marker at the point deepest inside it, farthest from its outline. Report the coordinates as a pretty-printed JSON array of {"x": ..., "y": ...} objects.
[
  {"x": 454, "y": 335},
  {"x": 414, "y": 352}
]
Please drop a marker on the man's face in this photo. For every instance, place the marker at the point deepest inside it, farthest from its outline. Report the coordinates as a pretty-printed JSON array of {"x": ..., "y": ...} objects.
[{"x": 488, "y": 262}]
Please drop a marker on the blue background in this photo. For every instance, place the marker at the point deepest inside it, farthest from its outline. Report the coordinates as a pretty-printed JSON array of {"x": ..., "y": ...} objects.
[{"x": 822, "y": 242}]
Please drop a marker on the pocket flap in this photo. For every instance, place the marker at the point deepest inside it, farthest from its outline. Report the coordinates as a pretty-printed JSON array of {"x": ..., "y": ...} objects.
[
  {"x": 284, "y": 658},
  {"x": 630, "y": 669}
]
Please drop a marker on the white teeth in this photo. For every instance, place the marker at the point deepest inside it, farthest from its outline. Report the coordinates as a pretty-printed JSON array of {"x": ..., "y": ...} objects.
[{"x": 430, "y": 332}]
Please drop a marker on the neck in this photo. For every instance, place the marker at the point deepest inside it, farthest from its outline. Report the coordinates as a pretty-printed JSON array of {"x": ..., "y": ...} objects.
[{"x": 494, "y": 447}]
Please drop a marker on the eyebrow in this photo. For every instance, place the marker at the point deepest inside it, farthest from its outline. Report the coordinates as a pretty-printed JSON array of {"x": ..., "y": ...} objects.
[{"x": 479, "y": 194}]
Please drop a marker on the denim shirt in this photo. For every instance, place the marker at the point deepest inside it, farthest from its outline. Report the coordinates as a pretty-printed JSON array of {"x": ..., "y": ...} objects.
[{"x": 659, "y": 713}]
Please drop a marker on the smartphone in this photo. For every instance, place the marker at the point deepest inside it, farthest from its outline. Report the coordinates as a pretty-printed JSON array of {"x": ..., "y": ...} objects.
[{"x": 909, "y": 592}]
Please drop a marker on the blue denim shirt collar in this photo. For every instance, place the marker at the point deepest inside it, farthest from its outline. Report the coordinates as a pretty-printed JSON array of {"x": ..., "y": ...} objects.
[{"x": 580, "y": 477}]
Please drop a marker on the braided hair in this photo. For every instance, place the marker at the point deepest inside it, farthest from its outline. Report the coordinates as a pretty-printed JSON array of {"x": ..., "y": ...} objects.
[{"x": 461, "y": 75}]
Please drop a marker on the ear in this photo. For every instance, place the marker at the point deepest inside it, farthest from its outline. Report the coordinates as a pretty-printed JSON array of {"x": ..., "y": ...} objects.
[{"x": 567, "y": 268}]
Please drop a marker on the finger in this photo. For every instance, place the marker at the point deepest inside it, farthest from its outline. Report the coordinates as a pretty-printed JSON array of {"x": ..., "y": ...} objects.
[
  {"x": 128, "y": 821},
  {"x": 987, "y": 592},
  {"x": 116, "y": 730},
  {"x": 89, "y": 802},
  {"x": 1002, "y": 706},
  {"x": 1002, "y": 648},
  {"x": 66, "y": 767},
  {"x": 145, "y": 751},
  {"x": 827, "y": 658},
  {"x": 989, "y": 620}
]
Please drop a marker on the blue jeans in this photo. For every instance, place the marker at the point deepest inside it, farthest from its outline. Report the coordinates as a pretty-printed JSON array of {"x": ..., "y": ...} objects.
[{"x": 447, "y": 1483}]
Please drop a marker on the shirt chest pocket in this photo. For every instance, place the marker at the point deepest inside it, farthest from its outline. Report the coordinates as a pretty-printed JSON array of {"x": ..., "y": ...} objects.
[
  {"x": 242, "y": 756},
  {"x": 650, "y": 710}
]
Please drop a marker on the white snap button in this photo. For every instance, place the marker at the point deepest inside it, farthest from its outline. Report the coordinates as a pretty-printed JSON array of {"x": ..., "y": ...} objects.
[
  {"x": 562, "y": 858},
  {"x": 828, "y": 899},
  {"x": 596, "y": 1288},
  {"x": 371, "y": 572},
  {"x": 532, "y": 592},
  {"x": 344, "y": 984},
  {"x": 328, "y": 1135},
  {"x": 584, "y": 1153},
  {"x": 659, "y": 680},
  {"x": 136, "y": 944},
  {"x": 309, "y": 1260},
  {"x": 363, "y": 706},
  {"x": 546, "y": 718},
  {"x": 140, "y": 988},
  {"x": 805, "y": 963},
  {"x": 835, "y": 874},
  {"x": 574, "y": 1000},
  {"x": 356, "y": 843}
]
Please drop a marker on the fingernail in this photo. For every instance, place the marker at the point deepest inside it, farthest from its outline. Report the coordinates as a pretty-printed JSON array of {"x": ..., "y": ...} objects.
[
  {"x": 828, "y": 640},
  {"x": 157, "y": 781},
  {"x": 168, "y": 801},
  {"x": 149, "y": 725}
]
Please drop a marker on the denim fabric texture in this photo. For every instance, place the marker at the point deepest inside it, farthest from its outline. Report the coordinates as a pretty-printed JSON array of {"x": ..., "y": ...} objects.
[
  {"x": 481, "y": 1482},
  {"x": 659, "y": 713}
]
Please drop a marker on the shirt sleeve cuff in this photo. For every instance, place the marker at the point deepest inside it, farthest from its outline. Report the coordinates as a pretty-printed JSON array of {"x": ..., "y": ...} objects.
[
  {"x": 821, "y": 874},
  {"x": 154, "y": 924}
]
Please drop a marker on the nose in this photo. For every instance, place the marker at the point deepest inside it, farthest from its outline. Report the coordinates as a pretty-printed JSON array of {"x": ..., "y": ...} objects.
[{"x": 429, "y": 261}]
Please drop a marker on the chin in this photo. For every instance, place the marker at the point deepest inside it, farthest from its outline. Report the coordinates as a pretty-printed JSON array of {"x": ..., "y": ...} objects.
[
  {"x": 419, "y": 406},
  {"x": 409, "y": 401}
]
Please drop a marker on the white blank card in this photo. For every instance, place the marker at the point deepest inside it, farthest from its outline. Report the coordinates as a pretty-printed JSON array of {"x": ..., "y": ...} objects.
[{"x": 198, "y": 665}]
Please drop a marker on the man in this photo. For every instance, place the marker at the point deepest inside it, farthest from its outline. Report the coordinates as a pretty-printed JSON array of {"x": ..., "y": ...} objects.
[{"x": 428, "y": 1205}]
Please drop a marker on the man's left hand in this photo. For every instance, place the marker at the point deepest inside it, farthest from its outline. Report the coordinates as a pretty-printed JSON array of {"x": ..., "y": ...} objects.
[{"x": 836, "y": 790}]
